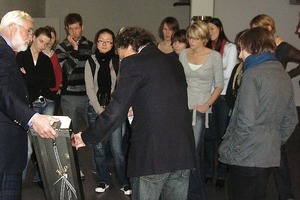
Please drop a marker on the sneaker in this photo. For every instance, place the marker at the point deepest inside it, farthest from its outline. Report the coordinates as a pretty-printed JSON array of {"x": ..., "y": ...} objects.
[
  {"x": 127, "y": 190},
  {"x": 101, "y": 187},
  {"x": 82, "y": 176}
]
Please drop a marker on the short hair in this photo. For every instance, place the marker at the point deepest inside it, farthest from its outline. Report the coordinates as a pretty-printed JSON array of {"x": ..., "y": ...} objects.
[
  {"x": 172, "y": 24},
  {"x": 134, "y": 36},
  {"x": 15, "y": 16},
  {"x": 263, "y": 21},
  {"x": 257, "y": 40},
  {"x": 237, "y": 37},
  {"x": 42, "y": 30},
  {"x": 199, "y": 29},
  {"x": 73, "y": 18},
  {"x": 179, "y": 36}
]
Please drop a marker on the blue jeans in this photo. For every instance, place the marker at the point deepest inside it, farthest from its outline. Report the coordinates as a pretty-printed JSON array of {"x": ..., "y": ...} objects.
[
  {"x": 117, "y": 152},
  {"x": 47, "y": 108},
  {"x": 196, "y": 182},
  {"x": 171, "y": 185},
  {"x": 217, "y": 127},
  {"x": 76, "y": 107}
]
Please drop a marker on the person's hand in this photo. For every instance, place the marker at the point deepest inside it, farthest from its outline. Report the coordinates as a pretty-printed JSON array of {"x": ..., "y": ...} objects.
[
  {"x": 101, "y": 110},
  {"x": 202, "y": 108},
  {"x": 72, "y": 42},
  {"x": 77, "y": 140},
  {"x": 22, "y": 69},
  {"x": 130, "y": 112},
  {"x": 42, "y": 124}
]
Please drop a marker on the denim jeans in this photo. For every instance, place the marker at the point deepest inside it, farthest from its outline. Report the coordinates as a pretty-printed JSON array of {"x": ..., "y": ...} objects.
[
  {"x": 217, "y": 127},
  {"x": 196, "y": 182},
  {"x": 47, "y": 108},
  {"x": 247, "y": 183},
  {"x": 76, "y": 107},
  {"x": 171, "y": 185},
  {"x": 115, "y": 143}
]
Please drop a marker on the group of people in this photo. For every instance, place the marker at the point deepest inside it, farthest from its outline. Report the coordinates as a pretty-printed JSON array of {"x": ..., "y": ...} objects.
[{"x": 183, "y": 93}]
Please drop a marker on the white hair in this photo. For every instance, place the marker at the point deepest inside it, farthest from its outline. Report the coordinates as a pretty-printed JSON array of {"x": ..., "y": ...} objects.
[{"x": 15, "y": 16}]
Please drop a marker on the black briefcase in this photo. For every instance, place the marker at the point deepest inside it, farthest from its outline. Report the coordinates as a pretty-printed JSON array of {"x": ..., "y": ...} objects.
[{"x": 57, "y": 164}]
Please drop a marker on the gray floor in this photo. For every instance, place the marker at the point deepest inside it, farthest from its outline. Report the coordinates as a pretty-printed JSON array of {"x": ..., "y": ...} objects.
[{"x": 32, "y": 192}]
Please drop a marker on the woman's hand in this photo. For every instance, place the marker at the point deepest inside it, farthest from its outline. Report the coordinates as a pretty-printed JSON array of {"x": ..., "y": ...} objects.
[{"x": 202, "y": 108}]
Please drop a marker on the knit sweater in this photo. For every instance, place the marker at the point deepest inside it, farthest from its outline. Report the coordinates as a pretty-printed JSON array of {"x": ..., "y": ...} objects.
[{"x": 73, "y": 63}]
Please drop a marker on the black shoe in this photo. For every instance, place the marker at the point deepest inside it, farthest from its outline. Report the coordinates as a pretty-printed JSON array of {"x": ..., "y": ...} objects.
[
  {"x": 208, "y": 179},
  {"x": 220, "y": 183}
]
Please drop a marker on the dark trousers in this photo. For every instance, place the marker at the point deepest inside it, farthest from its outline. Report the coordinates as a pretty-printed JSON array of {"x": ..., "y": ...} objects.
[
  {"x": 283, "y": 178},
  {"x": 247, "y": 183},
  {"x": 10, "y": 186}
]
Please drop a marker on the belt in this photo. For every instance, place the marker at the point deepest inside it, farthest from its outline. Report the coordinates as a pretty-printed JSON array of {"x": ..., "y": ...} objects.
[{"x": 41, "y": 99}]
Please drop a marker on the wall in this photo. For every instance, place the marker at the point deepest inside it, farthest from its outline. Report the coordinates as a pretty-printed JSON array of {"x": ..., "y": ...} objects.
[
  {"x": 99, "y": 14},
  {"x": 36, "y": 8},
  {"x": 236, "y": 15}
]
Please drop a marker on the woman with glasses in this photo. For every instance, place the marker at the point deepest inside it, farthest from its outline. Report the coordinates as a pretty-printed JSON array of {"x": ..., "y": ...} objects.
[
  {"x": 204, "y": 76},
  {"x": 101, "y": 71}
]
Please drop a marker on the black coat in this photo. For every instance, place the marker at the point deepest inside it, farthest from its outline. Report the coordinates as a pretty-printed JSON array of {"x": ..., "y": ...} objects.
[
  {"x": 162, "y": 139},
  {"x": 14, "y": 113}
]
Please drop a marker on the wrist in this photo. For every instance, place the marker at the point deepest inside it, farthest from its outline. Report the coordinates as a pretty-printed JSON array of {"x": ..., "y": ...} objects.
[{"x": 208, "y": 104}]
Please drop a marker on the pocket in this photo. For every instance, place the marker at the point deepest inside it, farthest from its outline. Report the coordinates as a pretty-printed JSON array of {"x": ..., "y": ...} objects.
[{"x": 153, "y": 178}]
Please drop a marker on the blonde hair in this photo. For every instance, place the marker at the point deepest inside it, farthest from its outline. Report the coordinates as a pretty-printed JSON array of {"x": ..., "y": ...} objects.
[
  {"x": 199, "y": 29},
  {"x": 264, "y": 21},
  {"x": 15, "y": 16}
]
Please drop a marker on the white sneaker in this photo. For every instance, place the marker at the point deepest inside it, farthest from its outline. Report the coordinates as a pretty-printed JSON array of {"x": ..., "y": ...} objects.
[
  {"x": 101, "y": 187},
  {"x": 127, "y": 190}
]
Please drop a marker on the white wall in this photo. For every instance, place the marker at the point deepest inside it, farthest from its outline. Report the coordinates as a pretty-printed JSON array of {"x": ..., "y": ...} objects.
[
  {"x": 236, "y": 15},
  {"x": 115, "y": 14}
]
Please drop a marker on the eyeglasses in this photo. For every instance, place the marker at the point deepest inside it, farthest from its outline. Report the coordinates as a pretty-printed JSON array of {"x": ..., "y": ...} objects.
[
  {"x": 29, "y": 30},
  {"x": 105, "y": 42},
  {"x": 192, "y": 38}
]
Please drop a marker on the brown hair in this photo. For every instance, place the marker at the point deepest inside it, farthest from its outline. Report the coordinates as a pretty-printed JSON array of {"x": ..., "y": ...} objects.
[
  {"x": 134, "y": 36},
  {"x": 171, "y": 22},
  {"x": 179, "y": 36},
  {"x": 257, "y": 40}
]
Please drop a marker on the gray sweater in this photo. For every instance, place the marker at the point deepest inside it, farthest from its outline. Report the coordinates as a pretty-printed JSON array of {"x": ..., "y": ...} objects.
[{"x": 201, "y": 81}]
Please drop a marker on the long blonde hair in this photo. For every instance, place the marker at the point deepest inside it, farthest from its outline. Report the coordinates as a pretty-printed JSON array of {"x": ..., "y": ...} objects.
[{"x": 264, "y": 21}]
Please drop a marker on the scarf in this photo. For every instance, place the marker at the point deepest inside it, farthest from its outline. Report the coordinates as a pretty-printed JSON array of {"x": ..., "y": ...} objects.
[
  {"x": 104, "y": 77},
  {"x": 253, "y": 60}
]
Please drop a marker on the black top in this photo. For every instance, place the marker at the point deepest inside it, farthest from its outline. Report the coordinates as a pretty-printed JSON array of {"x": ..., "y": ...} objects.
[{"x": 39, "y": 78}]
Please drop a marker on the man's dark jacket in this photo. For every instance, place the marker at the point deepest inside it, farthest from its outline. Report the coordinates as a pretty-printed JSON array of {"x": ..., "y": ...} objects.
[
  {"x": 162, "y": 139},
  {"x": 14, "y": 113}
]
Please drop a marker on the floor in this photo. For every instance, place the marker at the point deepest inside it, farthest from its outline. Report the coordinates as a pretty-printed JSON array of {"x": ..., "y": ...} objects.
[{"x": 31, "y": 191}]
